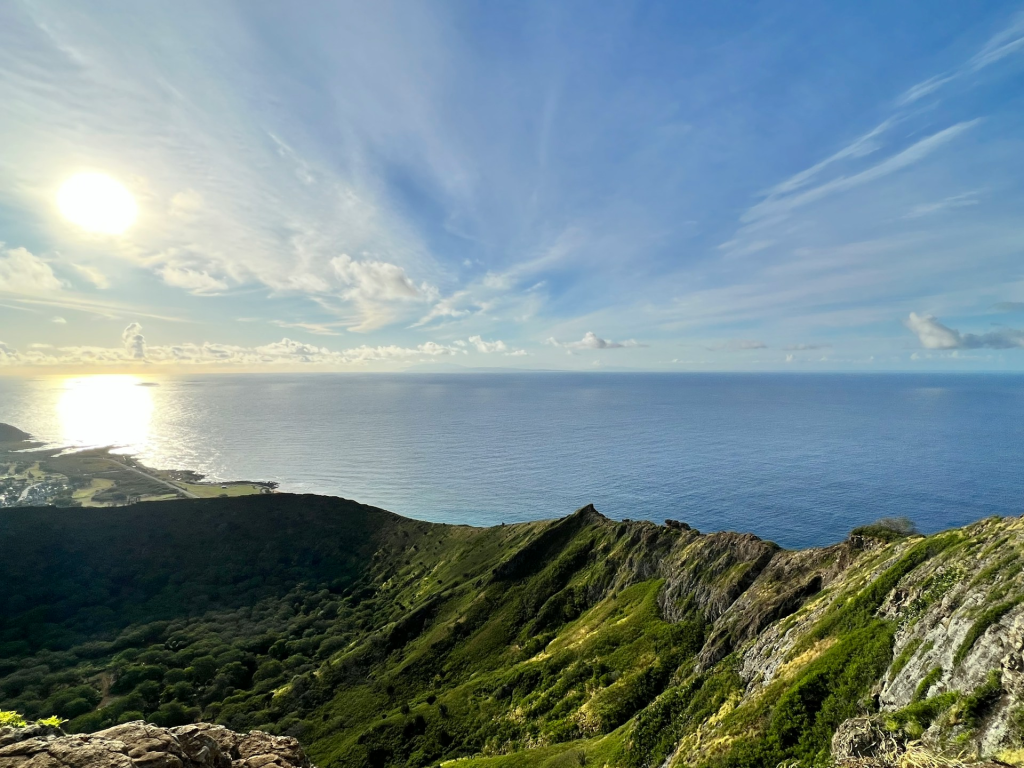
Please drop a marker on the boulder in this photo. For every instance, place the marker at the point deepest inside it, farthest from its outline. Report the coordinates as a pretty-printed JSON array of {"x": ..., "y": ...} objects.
[{"x": 143, "y": 745}]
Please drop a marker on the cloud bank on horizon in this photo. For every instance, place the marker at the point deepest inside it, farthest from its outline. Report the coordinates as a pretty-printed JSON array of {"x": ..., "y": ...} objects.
[{"x": 649, "y": 185}]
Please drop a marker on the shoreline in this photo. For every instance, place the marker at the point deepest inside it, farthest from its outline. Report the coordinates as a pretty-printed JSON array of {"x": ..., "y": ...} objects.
[{"x": 35, "y": 474}]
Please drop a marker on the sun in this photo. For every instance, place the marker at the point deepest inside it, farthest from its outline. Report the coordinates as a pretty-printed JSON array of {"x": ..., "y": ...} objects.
[{"x": 98, "y": 203}]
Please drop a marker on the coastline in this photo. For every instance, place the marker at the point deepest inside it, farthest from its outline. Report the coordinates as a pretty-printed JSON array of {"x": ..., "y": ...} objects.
[{"x": 34, "y": 474}]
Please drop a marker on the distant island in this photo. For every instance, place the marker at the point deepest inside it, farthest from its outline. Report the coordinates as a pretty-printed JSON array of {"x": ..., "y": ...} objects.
[
  {"x": 380, "y": 641},
  {"x": 32, "y": 474}
]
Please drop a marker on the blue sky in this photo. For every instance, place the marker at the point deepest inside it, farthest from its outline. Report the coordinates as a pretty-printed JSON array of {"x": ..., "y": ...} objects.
[{"x": 382, "y": 186}]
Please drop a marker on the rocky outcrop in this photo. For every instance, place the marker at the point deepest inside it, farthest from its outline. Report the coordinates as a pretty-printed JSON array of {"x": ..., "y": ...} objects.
[
  {"x": 141, "y": 745},
  {"x": 9, "y": 434}
]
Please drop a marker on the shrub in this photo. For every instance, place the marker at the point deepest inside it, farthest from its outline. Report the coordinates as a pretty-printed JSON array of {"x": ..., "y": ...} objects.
[
  {"x": 982, "y": 698},
  {"x": 926, "y": 683},
  {"x": 12, "y": 720},
  {"x": 888, "y": 529}
]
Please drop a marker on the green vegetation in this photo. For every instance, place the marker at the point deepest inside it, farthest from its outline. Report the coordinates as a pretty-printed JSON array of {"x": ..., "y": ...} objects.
[
  {"x": 11, "y": 719},
  {"x": 904, "y": 658},
  {"x": 384, "y": 642},
  {"x": 888, "y": 529},
  {"x": 859, "y": 610},
  {"x": 988, "y": 617},
  {"x": 951, "y": 709},
  {"x": 926, "y": 683}
]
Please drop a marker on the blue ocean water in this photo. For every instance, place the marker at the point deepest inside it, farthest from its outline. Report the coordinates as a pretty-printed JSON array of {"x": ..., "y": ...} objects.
[{"x": 799, "y": 459}]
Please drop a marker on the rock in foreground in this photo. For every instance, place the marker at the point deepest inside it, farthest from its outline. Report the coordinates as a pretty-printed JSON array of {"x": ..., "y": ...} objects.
[{"x": 141, "y": 745}]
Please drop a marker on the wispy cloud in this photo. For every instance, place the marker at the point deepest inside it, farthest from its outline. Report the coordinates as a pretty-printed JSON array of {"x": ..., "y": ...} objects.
[
  {"x": 92, "y": 275},
  {"x": 1007, "y": 41},
  {"x": 964, "y": 200},
  {"x": 1004, "y": 43},
  {"x": 381, "y": 186},
  {"x": 778, "y": 204},
  {"x": 321, "y": 329},
  {"x": 922, "y": 89},
  {"x": 192, "y": 280}
]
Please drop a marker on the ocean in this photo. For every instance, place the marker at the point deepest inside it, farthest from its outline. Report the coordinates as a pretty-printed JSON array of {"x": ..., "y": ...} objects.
[{"x": 799, "y": 459}]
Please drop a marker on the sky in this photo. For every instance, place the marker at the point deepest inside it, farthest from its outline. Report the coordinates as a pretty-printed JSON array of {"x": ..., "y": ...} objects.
[{"x": 676, "y": 186}]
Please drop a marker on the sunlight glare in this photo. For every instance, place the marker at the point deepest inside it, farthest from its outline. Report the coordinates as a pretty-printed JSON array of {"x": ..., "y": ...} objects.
[
  {"x": 108, "y": 410},
  {"x": 98, "y": 203}
]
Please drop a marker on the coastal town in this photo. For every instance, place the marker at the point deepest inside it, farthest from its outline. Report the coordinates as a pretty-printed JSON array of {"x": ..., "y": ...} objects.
[{"x": 34, "y": 474}]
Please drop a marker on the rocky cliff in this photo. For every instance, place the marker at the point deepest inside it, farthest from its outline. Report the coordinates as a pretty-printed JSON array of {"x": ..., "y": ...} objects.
[
  {"x": 380, "y": 641},
  {"x": 142, "y": 745}
]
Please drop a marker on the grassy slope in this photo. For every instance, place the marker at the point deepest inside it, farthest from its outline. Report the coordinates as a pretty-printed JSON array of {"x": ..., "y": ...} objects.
[{"x": 384, "y": 641}]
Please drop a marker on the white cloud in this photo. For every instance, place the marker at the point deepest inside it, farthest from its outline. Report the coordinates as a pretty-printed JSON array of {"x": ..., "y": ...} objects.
[
  {"x": 934, "y": 335},
  {"x": 591, "y": 340},
  {"x": 377, "y": 280},
  {"x": 58, "y": 320},
  {"x": 287, "y": 351},
  {"x": 134, "y": 342},
  {"x": 22, "y": 272},
  {"x": 488, "y": 346},
  {"x": 193, "y": 281},
  {"x": 375, "y": 287}
]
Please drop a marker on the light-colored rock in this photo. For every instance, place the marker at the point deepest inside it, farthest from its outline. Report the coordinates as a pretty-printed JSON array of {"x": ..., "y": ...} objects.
[{"x": 142, "y": 745}]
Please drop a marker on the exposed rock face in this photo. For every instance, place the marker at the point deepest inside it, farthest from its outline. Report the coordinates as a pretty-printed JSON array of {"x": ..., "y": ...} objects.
[{"x": 141, "y": 745}]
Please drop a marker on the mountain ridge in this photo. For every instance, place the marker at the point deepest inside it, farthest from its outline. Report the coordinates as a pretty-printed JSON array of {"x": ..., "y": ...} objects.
[{"x": 378, "y": 640}]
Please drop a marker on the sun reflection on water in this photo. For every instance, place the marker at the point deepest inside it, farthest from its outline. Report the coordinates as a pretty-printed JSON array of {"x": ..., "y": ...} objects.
[{"x": 109, "y": 410}]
